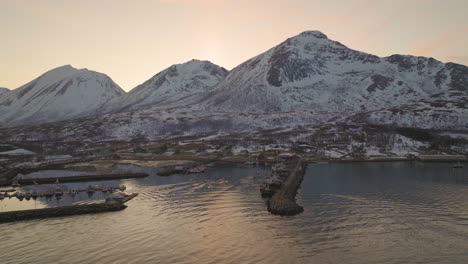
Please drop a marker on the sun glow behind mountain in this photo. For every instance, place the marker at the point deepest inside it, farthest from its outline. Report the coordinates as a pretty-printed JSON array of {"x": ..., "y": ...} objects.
[{"x": 131, "y": 42}]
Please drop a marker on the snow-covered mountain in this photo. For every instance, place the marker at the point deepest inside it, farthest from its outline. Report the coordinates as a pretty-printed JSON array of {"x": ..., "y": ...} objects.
[
  {"x": 310, "y": 71},
  {"x": 171, "y": 84},
  {"x": 304, "y": 83},
  {"x": 61, "y": 93}
]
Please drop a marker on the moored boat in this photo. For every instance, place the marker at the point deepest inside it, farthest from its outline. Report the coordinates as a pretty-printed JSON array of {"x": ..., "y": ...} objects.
[
  {"x": 458, "y": 165},
  {"x": 117, "y": 197},
  {"x": 196, "y": 170},
  {"x": 58, "y": 192},
  {"x": 48, "y": 194},
  {"x": 19, "y": 195},
  {"x": 90, "y": 190}
]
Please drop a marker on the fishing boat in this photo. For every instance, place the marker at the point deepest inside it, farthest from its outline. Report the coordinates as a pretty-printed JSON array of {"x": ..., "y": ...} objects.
[
  {"x": 250, "y": 163},
  {"x": 196, "y": 170},
  {"x": 19, "y": 195},
  {"x": 270, "y": 186},
  {"x": 48, "y": 194},
  {"x": 266, "y": 191},
  {"x": 458, "y": 165},
  {"x": 117, "y": 197},
  {"x": 58, "y": 192},
  {"x": 90, "y": 190},
  {"x": 73, "y": 193}
]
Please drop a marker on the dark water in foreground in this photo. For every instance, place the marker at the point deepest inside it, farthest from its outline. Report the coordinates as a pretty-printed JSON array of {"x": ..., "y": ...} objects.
[{"x": 354, "y": 213}]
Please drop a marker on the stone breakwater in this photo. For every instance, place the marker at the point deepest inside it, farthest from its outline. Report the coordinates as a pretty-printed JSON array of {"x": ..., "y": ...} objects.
[
  {"x": 283, "y": 202},
  {"x": 76, "y": 209}
]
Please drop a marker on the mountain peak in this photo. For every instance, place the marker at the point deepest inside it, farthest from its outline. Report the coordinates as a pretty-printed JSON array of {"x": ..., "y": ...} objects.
[
  {"x": 313, "y": 33},
  {"x": 61, "y": 93},
  {"x": 174, "y": 82}
]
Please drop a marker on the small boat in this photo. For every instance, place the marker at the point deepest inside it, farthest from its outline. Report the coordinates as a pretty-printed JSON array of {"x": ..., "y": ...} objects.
[
  {"x": 266, "y": 191},
  {"x": 104, "y": 189},
  {"x": 34, "y": 195},
  {"x": 15, "y": 184},
  {"x": 73, "y": 193},
  {"x": 122, "y": 188},
  {"x": 58, "y": 192},
  {"x": 250, "y": 163},
  {"x": 90, "y": 190},
  {"x": 458, "y": 165},
  {"x": 196, "y": 170},
  {"x": 48, "y": 194},
  {"x": 20, "y": 196},
  {"x": 117, "y": 197},
  {"x": 27, "y": 196}
]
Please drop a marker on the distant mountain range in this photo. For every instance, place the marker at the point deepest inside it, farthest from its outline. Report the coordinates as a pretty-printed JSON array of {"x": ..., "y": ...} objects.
[{"x": 307, "y": 79}]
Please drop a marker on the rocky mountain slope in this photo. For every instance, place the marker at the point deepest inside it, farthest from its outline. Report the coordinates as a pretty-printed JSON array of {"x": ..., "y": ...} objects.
[
  {"x": 302, "y": 84},
  {"x": 61, "y": 93},
  {"x": 171, "y": 84},
  {"x": 310, "y": 71},
  {"x": 4, "y": 90}
]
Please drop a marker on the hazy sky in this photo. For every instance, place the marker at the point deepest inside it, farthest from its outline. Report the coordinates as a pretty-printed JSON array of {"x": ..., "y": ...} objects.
[{"x": 131, "y": 40}]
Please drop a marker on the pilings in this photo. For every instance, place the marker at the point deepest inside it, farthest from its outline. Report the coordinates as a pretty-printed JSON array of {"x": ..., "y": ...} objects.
[{"x": 283, "y": 202}]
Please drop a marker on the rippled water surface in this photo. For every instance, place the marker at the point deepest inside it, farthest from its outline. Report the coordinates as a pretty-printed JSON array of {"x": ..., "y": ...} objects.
[{"x": 354, "y": 213}]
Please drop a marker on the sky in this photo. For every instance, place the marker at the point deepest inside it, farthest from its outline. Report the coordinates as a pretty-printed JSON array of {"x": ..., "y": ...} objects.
[{"x": 132, "y": 40}]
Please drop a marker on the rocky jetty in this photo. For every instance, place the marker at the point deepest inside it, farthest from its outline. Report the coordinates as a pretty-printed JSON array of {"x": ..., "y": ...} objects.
[{"x": 283, "y": 201}]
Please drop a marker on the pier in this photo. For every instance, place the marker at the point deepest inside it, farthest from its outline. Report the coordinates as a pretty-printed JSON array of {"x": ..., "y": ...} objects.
[
  {"x": 283, "y": 200},
  {"x": 76, "y": 209},
  {"x": 80, "y": 178}
]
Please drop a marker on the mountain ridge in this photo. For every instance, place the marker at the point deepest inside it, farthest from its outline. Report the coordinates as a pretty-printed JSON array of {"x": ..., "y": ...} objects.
[
  {"x": 61, "y": 93},
  {"x": 172, "y": 83}
]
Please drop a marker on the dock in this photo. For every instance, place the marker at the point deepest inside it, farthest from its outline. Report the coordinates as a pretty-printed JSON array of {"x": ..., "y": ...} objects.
[
  {"x": 283, "y": 201},
  {"x": 81, "y": 178},
  {"x": 59, "y": 211}
]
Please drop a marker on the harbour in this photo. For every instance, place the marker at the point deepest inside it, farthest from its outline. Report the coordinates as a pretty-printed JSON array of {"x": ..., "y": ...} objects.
[{"x": 382, "y": 211}]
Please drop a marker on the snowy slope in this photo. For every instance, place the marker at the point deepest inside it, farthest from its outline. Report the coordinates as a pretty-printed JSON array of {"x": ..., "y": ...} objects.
[
  {"x": 61, "y": 93},
  {"x": 171, "y": 84},
  {"x": 302, "y": 84},
  {"x": 310, "y": 71}
]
